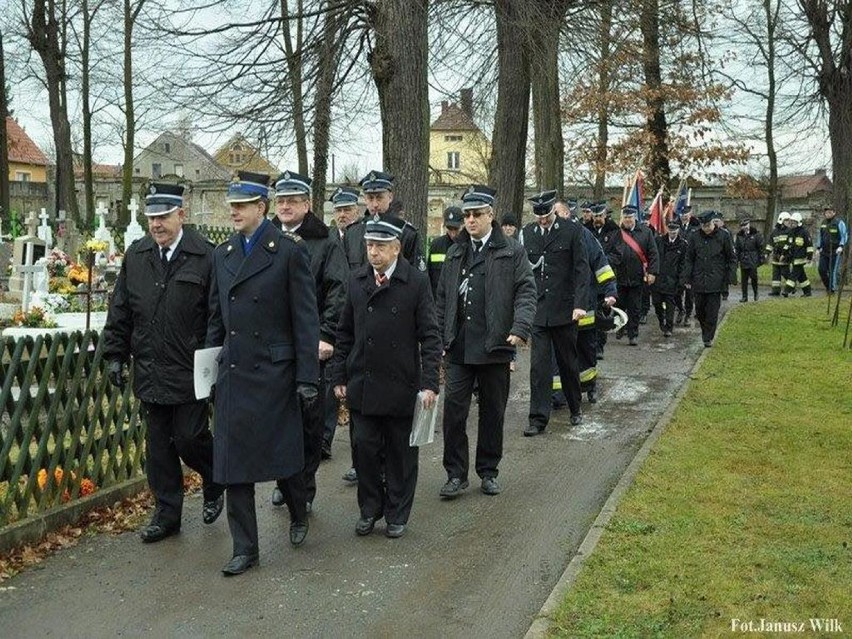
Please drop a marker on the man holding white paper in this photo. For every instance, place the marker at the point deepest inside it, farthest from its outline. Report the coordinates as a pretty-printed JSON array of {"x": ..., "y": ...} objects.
[{"x": 387, "y": 349}]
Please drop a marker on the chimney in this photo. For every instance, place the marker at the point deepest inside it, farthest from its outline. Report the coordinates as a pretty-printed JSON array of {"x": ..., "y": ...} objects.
[
  {"x": 444, "y": 106},
  {"x": 467, "y": 102}
]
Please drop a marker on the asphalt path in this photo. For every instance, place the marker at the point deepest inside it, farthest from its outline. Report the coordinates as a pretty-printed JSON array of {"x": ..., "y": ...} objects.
[{"x": 477, "y": 566}]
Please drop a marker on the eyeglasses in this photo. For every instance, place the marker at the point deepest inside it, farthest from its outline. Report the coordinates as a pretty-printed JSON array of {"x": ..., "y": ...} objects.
[{"x": 473, "y": 213}]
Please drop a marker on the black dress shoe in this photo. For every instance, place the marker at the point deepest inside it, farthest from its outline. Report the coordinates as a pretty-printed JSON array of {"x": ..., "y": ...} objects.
[
  {"x": 298, "y": 532},
  {"x": 576, "y": 419},
  {"x": 593, "y": 397},
  {"x": 395, "y": 531},
  {"x": 532, "y": 430},
  {"x": 708, "y": 344},
  {"x": 620, "y": 333},
  {"x": 365, "y": 526},
  {"x": 277, "y": 497},
  {"x": 490, "y": 486},
  {"x": 212, "y": 509},
  {"x": 453, "y": 487},
  {"x": 350, "y": 477},
  {"x": 157, "y": 532},
  {"x": 633, "y": 341},
  {"x": 239, "y": 564}
]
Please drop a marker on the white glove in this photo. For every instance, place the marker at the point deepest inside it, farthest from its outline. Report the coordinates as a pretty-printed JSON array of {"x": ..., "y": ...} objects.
[{"x": 839, "y": 250}]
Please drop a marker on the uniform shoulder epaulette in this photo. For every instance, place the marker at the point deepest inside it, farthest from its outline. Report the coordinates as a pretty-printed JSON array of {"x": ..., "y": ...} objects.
[{"x": 292, "y": 236}]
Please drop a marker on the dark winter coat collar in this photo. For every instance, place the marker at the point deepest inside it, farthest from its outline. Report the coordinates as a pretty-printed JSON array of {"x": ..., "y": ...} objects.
[
  {"x": 191, "y": 242},
  {"x": 497, "y": 239}
]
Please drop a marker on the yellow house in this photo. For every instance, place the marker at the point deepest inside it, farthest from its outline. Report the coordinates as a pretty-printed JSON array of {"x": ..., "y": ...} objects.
[
  {"x": 27, "y": 163},
  {"x": 239, "y": 155},
  {"x": 458, "y": 150}
]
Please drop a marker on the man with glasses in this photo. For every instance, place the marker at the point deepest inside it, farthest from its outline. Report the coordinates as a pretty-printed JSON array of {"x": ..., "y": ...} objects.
[
  {"x": 559, "y": 261},
  {"x": 330, "y": 272},
  {"x": 486, "y": 302}
]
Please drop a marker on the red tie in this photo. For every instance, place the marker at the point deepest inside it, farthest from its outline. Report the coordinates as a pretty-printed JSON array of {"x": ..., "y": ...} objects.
[{"x": 381, "y": 278}]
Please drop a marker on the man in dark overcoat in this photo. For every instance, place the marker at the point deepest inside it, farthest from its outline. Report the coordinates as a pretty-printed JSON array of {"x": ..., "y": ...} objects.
[
  {"x": 263, "y": 312},
  {"x": 330, "y": 272},
  {"x": 672, "y": 250},
  {"x": 158, "y": 316},
  {"x": 387, "y": 350},
  {"x": 707, "y": 269},
  {"x": 559, "y": 261},
  {"x": 486, "y": 302},
  {"x": 748, "y": 246}
]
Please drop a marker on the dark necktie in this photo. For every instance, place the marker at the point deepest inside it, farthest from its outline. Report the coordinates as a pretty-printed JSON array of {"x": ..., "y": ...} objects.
[
  {"x": 164, "y": 256},
  {"x": 381, "y": 278},
  {"x": 477, "y": 245}
]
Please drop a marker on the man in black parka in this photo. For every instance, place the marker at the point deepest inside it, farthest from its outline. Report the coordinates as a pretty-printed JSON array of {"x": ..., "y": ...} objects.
[
  {"x": 748, "y": 246},
  {"x": 330, "y": 273},
  {"x": 158, "y": 315}
]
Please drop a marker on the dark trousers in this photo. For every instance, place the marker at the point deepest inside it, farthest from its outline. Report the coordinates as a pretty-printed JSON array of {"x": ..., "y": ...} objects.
[
  {"x": 381, "y": 443},
  {"x": 829, "y": 269},
  {"x": 664, "y": 307},
  {"x": 707, "y": 313},
  {"x": 177, "y": 432},
  {"x": 330, "y": 406},
  {"x": 748, "y": 275},
  {"x": 779, "y": 276},
  {"x": 630, "y": 298},
  {"x": 797, "y": 275},
  {"x": 242, "y": 519},
  {"x": 296, "y": 495},
  {"x": 493, "y": 383},
  {"x": 646, "y": 300},
  {"x": 688, "y": 302},
  {"x": 562, "y": 340},
  {"x": 587, "y": 348}
]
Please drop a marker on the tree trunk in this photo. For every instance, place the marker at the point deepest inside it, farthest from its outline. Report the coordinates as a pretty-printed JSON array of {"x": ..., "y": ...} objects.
[
  {"x": 4, "y": 142},
  {"x": 44, "y": 36},
  {"x": 602, "y": 142},
  {"x": 129, "y": 119},
  {"x": 88, "y": 182},
  {"x": 772, "y": 187},
  {"x": 545, "y": 20},
  {"x": 659, "y": 172},
  {"x": 329, "y": 55},
  {"x": 509, "y": 143},
  {"x": 399, "y": 66},
  {"x": 294, "y": 71}
]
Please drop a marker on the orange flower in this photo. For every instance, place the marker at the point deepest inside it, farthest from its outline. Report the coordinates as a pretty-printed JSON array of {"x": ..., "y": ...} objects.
[
  {"x": 87, "y": 487},
  {"x": 42, "y": 478},
  {"x": 57, "y": 476}
]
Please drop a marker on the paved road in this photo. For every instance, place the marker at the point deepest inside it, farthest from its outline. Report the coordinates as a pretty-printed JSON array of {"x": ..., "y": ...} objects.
[{"x": 478, "y": 566}]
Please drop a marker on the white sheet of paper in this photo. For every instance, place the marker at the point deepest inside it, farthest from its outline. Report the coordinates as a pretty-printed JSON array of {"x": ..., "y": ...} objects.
[{"x": 205, "y": 371}]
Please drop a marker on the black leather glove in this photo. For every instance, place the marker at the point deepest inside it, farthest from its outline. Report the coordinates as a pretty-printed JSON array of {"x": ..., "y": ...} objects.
[
  {"x": 115, "y": 374},
  {"x": 308, "y": 396}
]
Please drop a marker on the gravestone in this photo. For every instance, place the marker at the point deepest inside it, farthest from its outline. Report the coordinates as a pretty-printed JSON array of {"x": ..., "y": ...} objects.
[
  {"x": 102, "y": 233},
  {"x": 134, "y": 229},
  {"x": 27, "y": 249},
  {"x": 45, "y": 233},
  {"x": 5, "y": 262}
]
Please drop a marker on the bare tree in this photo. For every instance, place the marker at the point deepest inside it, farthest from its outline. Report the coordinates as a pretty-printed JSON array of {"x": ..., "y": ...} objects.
[
  {"x": 4, "y": 140},
  {"x": 132, "y": 8},
  {"x": 659, "y": 171},
  {"x": 45, "y": 32}
]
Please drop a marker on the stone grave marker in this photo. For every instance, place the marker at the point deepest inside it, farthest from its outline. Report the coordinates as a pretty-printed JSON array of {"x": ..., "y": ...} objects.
[{"x": 134, "y": 229}]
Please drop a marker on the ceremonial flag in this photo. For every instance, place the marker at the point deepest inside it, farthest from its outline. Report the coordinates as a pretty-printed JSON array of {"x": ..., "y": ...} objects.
[
  {"x": 636, "y": 196},
  {"x": 682, "y": 199},
  {"x": 657, "y": 219}
]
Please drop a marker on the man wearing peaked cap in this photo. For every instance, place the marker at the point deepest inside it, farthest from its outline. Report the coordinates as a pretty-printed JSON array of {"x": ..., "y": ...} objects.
[
  {"x": 439, "y": 246},
  {"x": 485, "y": 300},
  {"x": 159, "y": 326},
  {"x": 387, "y": 350},
  {"x": 830, "y": 241},
  {"x": 344, "y": 201},
  {"x": 329, "y": 272},
  {"x": 748, "y": 246},
  {"x": 707, "y": 269},
  {"x": 378, "y": 196},
  {"x": 559, "y": 261},
  {"x": 263, "y": 312},
  {"x": 632, "y": 252},
  {"x": 672, "y": 250}
]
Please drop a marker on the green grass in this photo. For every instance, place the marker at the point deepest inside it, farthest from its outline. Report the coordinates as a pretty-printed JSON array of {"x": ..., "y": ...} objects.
[{"x": 744, "y": 508}]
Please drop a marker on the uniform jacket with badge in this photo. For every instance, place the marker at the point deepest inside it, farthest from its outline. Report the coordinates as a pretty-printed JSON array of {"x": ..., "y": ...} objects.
[
  {"x": 561, "y": 268},
  {"x": 356, "y": 248},
  {"x": 709, "y": 262},
  {"x": 799, "y": 248},
  {"x": 749, "y": 248},
  {"x": 160, "y": 317},
  {"x": 263, "y": 313},
  {"x": 328, "y": 268},
  {"x": 626, "y": 262},
  {"x": 672, "y": 257},
  {"x": 509, "y": 284},
  {"x": 388, "y": 348},
  {"x": 776, "y": 244},
  {"x": 604, "y": 233}
]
